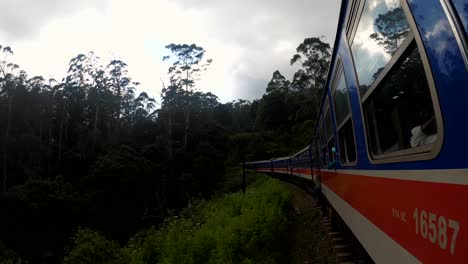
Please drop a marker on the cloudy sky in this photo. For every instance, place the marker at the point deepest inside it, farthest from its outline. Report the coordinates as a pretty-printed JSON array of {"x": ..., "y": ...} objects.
[{"x": 247, "y": 40}]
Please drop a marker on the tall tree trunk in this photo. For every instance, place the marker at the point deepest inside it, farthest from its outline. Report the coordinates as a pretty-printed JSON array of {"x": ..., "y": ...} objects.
[
  {"x": 170, "y": 136},
  {"x": 187, "y": 122},
  {"x": 119, "y": 106},
  {"x": 187, "y": 114},
  {"x": 96, "y": 119},
  {"x": 5, "y": 145},
  {"x": 61, "y": 136}
]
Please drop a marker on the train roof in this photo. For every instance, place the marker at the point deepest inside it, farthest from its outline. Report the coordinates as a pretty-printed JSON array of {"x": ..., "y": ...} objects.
[
  {"x": 255, "y": 162},
  {"x": 281, "y": 158},
  {"x": 339, "y": 28}
]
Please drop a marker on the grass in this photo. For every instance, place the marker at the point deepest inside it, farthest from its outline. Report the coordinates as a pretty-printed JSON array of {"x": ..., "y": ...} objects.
[
  {"x": 233, "y": 179},
  {"x": 235, "y": 228},
  {"x": 307, "y": 237}
]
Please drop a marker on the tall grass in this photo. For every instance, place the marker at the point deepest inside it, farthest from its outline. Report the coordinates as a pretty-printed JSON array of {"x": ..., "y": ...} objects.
[{"x": 236, "y": 228}]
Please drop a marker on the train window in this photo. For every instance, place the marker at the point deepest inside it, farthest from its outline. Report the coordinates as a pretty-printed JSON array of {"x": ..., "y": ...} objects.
[
  {"x": 317, "y": 155},
  {"x": 324, "y": 145},
  {"x": 462, "y": 9},
  {"x": 343, "y": 120},
  {"x": 330, "y": 141},
  {"x": 399, "y": 113},
  {"x": 329, "y": 125},
  {"x": 397, "y": 102},
  {"x": 457, "y": 14},
  {"x": 341, "y": 101},
  {"x": 346, "y": 143},
  {"x": 381, "y": 30}
]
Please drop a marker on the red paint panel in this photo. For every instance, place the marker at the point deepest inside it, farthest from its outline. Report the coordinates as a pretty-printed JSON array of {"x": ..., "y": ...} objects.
[
  {"x": 391, "y": 205},
  {"x": 302, "y": 170},
  {"x": 281, "y": 170}
]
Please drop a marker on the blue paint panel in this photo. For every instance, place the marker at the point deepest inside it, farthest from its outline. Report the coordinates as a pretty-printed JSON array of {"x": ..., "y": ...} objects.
[
  {"x": 462, "y": 9},
  {"x": 450, "y": 77}
]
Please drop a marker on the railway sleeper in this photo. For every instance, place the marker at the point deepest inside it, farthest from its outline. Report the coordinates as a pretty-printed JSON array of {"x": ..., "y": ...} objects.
[
  {"x": 344, "y": 243},
  {"x": 347, "y": 248}
]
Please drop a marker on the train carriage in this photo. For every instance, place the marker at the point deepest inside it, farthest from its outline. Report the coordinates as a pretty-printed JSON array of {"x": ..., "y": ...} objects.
[{"x": 389, "y": 148}]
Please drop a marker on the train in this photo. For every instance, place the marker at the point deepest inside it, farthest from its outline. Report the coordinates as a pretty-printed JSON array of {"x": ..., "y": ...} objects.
[{"x": 390, "y": 147}]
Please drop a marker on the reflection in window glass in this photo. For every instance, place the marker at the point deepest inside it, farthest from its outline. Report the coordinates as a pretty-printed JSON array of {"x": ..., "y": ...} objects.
[
  {"x": 324, "y": 135},
  {"x": 381, "y": 30},
  {"x": 317, "y": 155},
  {"x": 462, "y": 9},
  {"x": 399, "y": 113},
  {"x": 341, "y": 101},
  {"x": 324, "y": 157},
  {"x": 331, "y": 155},
  {"x": 345, "y": 131},
  {"x": 329, "y": 125},
  {"x": 346, "y": 143}
]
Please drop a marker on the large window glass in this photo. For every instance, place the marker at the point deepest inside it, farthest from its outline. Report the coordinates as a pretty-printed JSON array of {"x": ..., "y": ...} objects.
[
  {"x": 381, "y": 30},
  {"x": 347, "y": 144},
  {"x": 397, "y": 103},
  {"x": 324, "y": 144},
  {"x": 400, "y": 113},
  {"x": 330, "y": 141},
  {"x": 343, "y": 120},
  {"x": 329, "y": 125},
  {"x": 341, "y": 101},
  {"x": 462, "y": 8}
]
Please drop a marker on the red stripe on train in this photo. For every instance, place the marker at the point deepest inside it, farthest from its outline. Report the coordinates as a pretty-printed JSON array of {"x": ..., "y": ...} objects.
[
  {"x": 287, "y": 170},
  {"x": 423, "y": 217}
]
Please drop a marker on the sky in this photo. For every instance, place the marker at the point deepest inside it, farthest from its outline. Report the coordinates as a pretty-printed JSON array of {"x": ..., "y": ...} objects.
[{"x": 247, "y": 40}]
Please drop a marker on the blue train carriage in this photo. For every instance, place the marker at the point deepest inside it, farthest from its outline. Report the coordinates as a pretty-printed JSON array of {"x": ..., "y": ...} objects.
[
  {"x": 281, "y": 165},
  {"x": 260, "y": 166},
  {"x": 391, "y": 137},
  {"x": 301, "y": 163},
  {"x": 389, "y": 148}
]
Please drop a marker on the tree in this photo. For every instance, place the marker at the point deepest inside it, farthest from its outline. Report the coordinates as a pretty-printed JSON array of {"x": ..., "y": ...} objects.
[
  {"x": 392, "y": 28},
  {"x": 278, "y": 83},
  {"x": 314, "y": 56},
  {"x": 7, "y": 70},
  {"x": 185, "y": 70}
]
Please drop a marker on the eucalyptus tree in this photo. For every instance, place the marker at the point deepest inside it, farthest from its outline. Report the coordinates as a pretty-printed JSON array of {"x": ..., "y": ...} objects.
[
  {"x": 313, "y": 55},
  {"x": 278, "y": 83},
  {"x": 122, "y": 88},
  {"x": 7, "y": 75},
  {"x": 187, "y": 65}
]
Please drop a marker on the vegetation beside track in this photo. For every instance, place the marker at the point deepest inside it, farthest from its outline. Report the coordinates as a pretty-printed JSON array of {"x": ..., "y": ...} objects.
[
  {"x": 307, "y": 238},
  {"x": 235, "y": 228}
]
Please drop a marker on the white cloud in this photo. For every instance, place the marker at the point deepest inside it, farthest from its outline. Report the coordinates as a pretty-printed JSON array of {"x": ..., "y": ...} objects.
[{"x": 247, "y": 40}]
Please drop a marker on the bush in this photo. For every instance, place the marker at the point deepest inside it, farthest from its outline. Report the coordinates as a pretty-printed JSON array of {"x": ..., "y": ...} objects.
[
  {"x": 90, "y": 247},
  {"x": 236, "y": 228}
]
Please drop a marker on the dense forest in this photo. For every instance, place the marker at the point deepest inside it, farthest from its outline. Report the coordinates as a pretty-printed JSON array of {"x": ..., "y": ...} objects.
[{"x": 90, "y": 151}]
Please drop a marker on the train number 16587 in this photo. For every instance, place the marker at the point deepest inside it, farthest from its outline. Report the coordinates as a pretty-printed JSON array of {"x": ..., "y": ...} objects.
[{"x": 435, "y": 228}]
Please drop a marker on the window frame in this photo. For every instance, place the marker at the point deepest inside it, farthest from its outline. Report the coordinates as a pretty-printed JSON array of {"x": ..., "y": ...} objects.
[
  {"x": 457, "y": 27},
  {"x": 331, "y": 137},
  {"x": 323, "y": 143},
  {"x": 426, "y": 152},
  {"x": 349, "y": 117}
]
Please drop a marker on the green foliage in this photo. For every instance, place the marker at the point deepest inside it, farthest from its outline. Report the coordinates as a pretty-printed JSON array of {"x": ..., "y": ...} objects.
[
  {"x": 116, "y": 191},
  {"x": 88, "y": 151},
  {"x": 314, "y": 56},
  {"x": 90, "y": 247},
  {"x": 8, "y": 256},
  {"x": 236, "y": 228}
]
